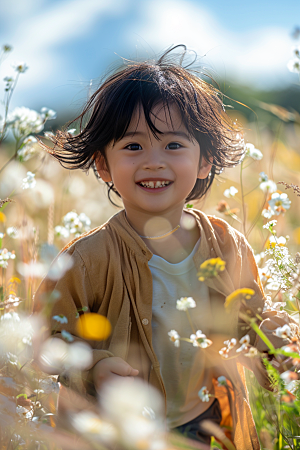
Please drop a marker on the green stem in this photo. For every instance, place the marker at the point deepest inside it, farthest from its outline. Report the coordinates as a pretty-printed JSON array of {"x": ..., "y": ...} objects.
[{"x": 262, "y": 335}]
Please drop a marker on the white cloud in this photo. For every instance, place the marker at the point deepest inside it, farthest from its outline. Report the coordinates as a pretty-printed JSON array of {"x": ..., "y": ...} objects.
[{"x": 255, "y": 57}]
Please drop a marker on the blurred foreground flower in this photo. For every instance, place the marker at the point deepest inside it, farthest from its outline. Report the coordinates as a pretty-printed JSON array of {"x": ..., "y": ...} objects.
[
  {"x": 29, "y": 182},
  {"x": 174, "y": 337},
  {"x": 253, "y": 152},
  {"x": 185, "y": 303},
  {"x": 93, "y": 326},
  {"x": 211, "y": 268},
  {"x": 284, "y": 332},
  {"x": 136, "y": 410},
  {"x": 229, "y": 193},
  {"x": 57, "y": 356},
  {"x": 237, "y": 296},
  {"x": 200, "y": 340},
  {"x": 93, "y": 427}
]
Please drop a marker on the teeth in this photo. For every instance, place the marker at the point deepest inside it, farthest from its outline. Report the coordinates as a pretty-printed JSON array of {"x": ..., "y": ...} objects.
[{"x": 154, "y": 184}]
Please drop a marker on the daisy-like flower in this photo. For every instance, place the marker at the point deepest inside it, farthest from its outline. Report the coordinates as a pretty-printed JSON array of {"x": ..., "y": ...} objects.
[
  {"x": 185, "y": 303},
  {"x": 211, "y": 268},
  {"x": 252, "y": 352},
  {"x": 269, "y": 225},
  {"x": 230, "y": 344},
  {"x": 273, "y": 241},
  {"x": 60, "y": 318},
  {"x": 204, "y": 394},
  {"x": 222, "y": 381},
  {"x": 224, "y": 352},
  {"x": 20, "y": 67},
  {"x": 29, "y": 182},
  {"x": 238, "y": 295},
  {"x": 200, "y": 340},
  {"x": 253, "y": 152},
  {"x": 268, "y": 186},
  {"x": 245, "y": 341},
  {"x": 174, "y": 337},
  {"x": 229, "y": 193},
  {"x": 279, "y": 203},
  {"x": 284, "y": 332}
]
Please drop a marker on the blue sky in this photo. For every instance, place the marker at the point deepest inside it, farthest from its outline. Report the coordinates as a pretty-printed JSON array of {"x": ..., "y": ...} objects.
[{"x": 67, "y": 43}]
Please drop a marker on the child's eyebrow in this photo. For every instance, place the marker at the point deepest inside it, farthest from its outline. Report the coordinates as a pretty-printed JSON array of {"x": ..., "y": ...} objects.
[{"x": 168, "y": 133}]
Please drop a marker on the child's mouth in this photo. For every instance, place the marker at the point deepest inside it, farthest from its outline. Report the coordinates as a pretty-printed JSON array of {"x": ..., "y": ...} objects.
[{"x": 154, "y": 185}]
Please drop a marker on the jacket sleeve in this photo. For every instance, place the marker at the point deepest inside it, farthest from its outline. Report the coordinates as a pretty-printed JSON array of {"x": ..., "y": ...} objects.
[
  {"x": 269, "y": 319},
  {"x": 67, "y": 296}
]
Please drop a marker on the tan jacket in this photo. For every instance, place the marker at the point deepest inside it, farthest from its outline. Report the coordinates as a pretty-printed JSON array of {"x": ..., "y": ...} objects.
[{"x": 110, "y": 276}]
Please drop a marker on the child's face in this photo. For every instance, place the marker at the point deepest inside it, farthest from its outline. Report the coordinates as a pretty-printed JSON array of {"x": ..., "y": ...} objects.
[{"x": 139, "y": 162}]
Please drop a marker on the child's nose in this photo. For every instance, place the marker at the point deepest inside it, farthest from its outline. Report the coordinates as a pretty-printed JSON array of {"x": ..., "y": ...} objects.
[{"x": 153, "y": 161}]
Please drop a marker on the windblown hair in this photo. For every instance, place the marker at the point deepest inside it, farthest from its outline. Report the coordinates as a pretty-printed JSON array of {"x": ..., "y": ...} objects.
[{"x": 144, "y": 85}]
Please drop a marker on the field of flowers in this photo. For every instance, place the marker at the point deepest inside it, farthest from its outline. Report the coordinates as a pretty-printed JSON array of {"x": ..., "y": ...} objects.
[{"x": 44, "y": 206}]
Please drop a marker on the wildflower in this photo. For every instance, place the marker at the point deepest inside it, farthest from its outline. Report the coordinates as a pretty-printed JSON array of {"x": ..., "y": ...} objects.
[
  {"x": 48, "y": 114},
  {"x": 222, "y": 381},
  {"x": 273, "y": 285},
  {"x": 25, "y": 121},
  {"x": 253, "y": 152},
  {"x": 79, "y": 356},
  {"x": 230, "y": 344},
  {"x": 238, "y": 295},
  {"x": 263, "y": 177},
  {"x": 74, "y": 224},
  {"x": 67, "y": 336},
  {"x": 5, "y": 255},
  {"x": 273, "y": 241},
  {"x": 61, "y": 232},
  {"x": 284, "y": 332},
  {"x": 61, "y": 318},
  {"x": 224, "y": 352},
  {"x": 20, "y": 67},
  {"x": 252, "y": 352},
  {"x": 9, "y": 83},
  {"x": 185, "y": 303},
  {"x": 245, "y": 340},
  {"x": 7, "y": 48},
  {"x": 49, "y": 385},
  {"x": 27, "y": 150},
  {"x": 29, "y": 182},
  {"x": 200, "y": 340},
  {"x": 267, "y": 213},
  {"x": 270, "y": 306},
  {"x": 269, "y": 225},
  {"x": 296, "y": 51},
  {"x": 204, "y": 394},
  {"x": 12, "y": 232},
  {"x": 268, "y": 186},
  {"x": 211, "y": 268},
  {"x": 294, "y": 65},
  {"x": 229, "y": 193},
  {"x": 72, "y": 131},
  {"x": 87, "y": 422},
  {"x": 279, "y": 203},
  {"x": 174, "y": 337}
]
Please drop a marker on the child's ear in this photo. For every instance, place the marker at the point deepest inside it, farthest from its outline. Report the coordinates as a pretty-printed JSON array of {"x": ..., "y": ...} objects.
[
  {"x": 205, "y": 168},
  {"x": 102, "y": 168}
]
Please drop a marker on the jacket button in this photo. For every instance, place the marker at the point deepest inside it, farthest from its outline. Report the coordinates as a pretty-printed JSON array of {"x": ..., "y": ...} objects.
[{"x": 145, "y": 321}]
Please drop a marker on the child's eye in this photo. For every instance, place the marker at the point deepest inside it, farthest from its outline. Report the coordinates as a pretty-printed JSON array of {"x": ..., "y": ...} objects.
[
  {"x": 133, "y": 147},
  {"x": 173, "y": 146}
]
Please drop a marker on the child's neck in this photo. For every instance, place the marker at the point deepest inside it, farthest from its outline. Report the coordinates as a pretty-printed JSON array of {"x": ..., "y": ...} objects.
[{"x": 174, "y": 247}]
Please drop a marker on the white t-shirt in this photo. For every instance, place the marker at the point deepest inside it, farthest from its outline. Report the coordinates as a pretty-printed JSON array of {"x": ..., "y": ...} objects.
[{"x": 182, "y": 368}]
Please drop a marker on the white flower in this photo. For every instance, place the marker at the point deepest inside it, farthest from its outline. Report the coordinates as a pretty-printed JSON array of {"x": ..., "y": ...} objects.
[
  {"x": 48, "y": 113},
  {"x": 253, "y": 152},
  {"x": 20, "y": 67},
  {"x": 87, "y": 422},
  {"x": 224, "y": 352},
  {"x": 268, "y": 186},
  {"x": 252, "y": 352},
  {"x": 229, "y": 193},
  {"x": 27, "y": 150},
  {"x": 72, "y": 131},
  {"x": 267, "y": 213},
  {"x": 279, "y": 201},
  {"x": 185, "y": 303},
  {"x": 222, "y": 381},
  {"x": 294, "y": 65},
  {"x": 270, "y": 224},
  {"x": 204, "y": 394},
  {"x": 12, "y": 232},
  {"x": 49, "y": 385},
  {"x": 245, "y": 340},
  {"x": 76, "y": 224},
  {"x": 61, "y": 232},
  {"x": 174, "y": 337},
  {"x": 284, "y": 332},
  {"x": 67, "y": 336},
  {"x": 79, "y": 356},
  {"x": 259, "y": 257},
  {"x": 29, "y": 182},
  {"x": 263, "y": 177},
  {"x": 230, "y": 344},
  {"x": 200, "y": 340},
  {"x": 25, "y": 121},
  {"x": 277, "y": 241},
  {"x": 273, "y": 285},
  {"x": 270, "y": 306}
]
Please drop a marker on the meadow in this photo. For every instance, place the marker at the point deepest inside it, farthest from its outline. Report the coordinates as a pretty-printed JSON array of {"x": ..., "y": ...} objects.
[{"x": 44, "y": 206}]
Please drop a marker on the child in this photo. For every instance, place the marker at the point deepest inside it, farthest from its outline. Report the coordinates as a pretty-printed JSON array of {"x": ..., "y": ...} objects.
[{"x": 157, "y": 135}]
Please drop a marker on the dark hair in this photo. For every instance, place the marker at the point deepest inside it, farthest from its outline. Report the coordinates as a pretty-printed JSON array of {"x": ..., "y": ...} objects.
[{"x": 109, "y": 110}]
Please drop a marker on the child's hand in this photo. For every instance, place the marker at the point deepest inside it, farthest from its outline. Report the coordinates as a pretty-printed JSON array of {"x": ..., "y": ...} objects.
[{"x": 111, "y": 368}]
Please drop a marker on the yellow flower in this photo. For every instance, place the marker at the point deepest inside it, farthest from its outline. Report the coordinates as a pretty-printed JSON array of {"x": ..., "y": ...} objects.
[
  {"x": 211, "y": 268},
  {"x": 93, "y": 326},
  {"x": 238, "y": 295}
]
